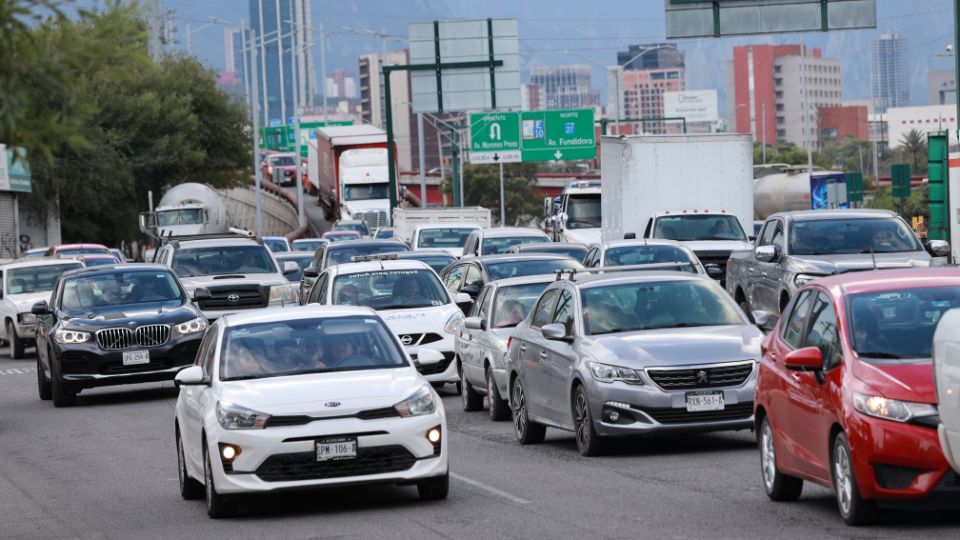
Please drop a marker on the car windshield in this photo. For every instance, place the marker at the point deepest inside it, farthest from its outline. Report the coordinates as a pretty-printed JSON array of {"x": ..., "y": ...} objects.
[
  {"x": 848, "y": 236},
  {"x": 493, "y": 246},
  {"x": 85, "y": 294},
  {"x": 447, "y": 237},
  {"x": 359, "y": 227},
  {"x": 32, "y": 279},
  {"x": 437, "y": 262},
  {"x": 508, "y": 269},
  {"x": 82, "y": 251},
  {"x": 211, "y": 261},
  {"x": 888, "y": 326},
  {"x": 297, "y": 347},
  {"x": 385, "y": 233},
  {"x": 307, "y": 245},
  {"x": 390, "y": 289},
  {"x": 302, "y": 261},
  {"x": 514, "y": 302},
  {"x": 364, "y": 192},
  {"x": 342, "y": 253},
  {"x": 583, "y": 211},
  {"x": 183, "y": 216},
  {"x": 648, "y": 254},
  {"x": 276, "y": 245},
  {"x": 699, "y": 227},
  {"x": 651, "y": 305},
  {"x": 283, "y": 161},
  {"x": 98, "y": 261}
]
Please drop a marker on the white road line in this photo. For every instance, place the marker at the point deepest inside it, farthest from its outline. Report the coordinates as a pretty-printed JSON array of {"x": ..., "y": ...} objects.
[
  {"x": 17, "y": 371},
  {"x": 499, "y": 493}
]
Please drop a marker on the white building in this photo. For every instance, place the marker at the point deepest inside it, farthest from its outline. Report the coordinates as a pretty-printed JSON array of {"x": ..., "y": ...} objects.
[{"x": 901, "y": 120}]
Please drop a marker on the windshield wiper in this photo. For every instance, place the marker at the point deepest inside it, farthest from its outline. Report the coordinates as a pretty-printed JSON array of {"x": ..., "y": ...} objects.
[
  {"x": 878, "y": 354},
  {"x": 406, "y": 306}
]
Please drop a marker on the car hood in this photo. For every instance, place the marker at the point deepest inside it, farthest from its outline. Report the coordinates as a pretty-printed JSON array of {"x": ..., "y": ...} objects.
[
  {"x": 132, "y": 317},
  {"x": 191, "y": 283},
  {"x": 913, "y": 381},
  {"x": 315, "y": 394},
  {"x": 25, "y": 301},
  {"x": 677, "y": 346},
  {"x": 835, "y": 264},
  {"x": 698, "y": 246},
  {"x": 418, "y": 320},
  {"x": 587, "y": 236}
]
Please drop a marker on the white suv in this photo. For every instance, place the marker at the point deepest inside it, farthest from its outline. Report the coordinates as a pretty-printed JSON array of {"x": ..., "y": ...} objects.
[
  {"x": 229, "y": 273},
  {"x": 22, "y": 284}
]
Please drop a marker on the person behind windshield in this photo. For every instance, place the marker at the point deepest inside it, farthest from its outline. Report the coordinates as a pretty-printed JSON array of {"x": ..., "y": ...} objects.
[
  {"x": 719, "y": 229},
  {"x": 866, "y": 331},
  {"x": 341, "y": 348},
  {"x": 145, "y": 290},
  {"x": 243, "y": 361},
  {"x": 881, "y": 240},
  {"x": 674, "y": 306},
  {"x": 348, "y": 296},
  {"x": 86, "y": 294},
  {"x": 407, "y": 291},
  {"x": 511, "y": 313},
  {"x": 245, "y": 262}
]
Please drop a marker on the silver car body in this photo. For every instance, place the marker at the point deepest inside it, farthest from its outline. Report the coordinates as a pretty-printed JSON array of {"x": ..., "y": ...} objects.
[{"x": 597, "y": 255}]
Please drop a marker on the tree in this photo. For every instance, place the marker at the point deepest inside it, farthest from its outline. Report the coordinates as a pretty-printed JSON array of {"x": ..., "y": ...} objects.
[
  {"x": 914, "y": 145},
  {"x": 481, "y": 185}
]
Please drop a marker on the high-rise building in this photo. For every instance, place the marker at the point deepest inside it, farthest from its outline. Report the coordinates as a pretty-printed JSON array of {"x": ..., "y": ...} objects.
[
  {"x": 889, "y": 72},
  {"x": 372, "y": 102},
  {"x": 341, "y": 84},
  {"x": 277, "y": 63},
  {"x": 775, "y": 92},
  {"x": 565, "y": 87},
  {"x": 234, "y": 43},
  {"x": 941, "y": 87},
  {"x": 643, "y": 94},
  {"x": 651, "y": 56},
  {"x": 533, "y": 97}
]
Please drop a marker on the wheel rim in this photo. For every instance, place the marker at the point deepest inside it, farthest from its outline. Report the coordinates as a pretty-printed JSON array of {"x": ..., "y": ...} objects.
[
  {"x": 768, "y": 456},
  {"x": 519, "y": 410},
  {"x": 581, "y": 420},
  {"x": 842, "y": 478}
]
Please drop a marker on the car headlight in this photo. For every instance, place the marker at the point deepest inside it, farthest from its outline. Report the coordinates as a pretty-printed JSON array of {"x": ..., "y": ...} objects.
[
  {"x": 27, "y": 318},
  {"x": 892, "y": 409},
  {"x": 232, "y": 416},
  {"x": 801, "y": 279},
  {"x": 283, "y": 295},
  {"x": 453, "y": 323},
  {"x": 192, "y": 326},
  {"x": 70, "y": 336},
  {"x": 608, "y": 374},
  {"x": 419, "y": 403}
]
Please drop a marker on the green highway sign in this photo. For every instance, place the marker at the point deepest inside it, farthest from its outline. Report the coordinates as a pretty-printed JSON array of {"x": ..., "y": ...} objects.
[
  {"x": 510, "y": 137},
  {"x": 281, "y": 138}
]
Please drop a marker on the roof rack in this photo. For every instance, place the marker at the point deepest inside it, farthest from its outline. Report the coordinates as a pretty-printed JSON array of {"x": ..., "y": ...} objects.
[
  {"x": 572, "y": 272},
  {"x": 235, "y": 234}
]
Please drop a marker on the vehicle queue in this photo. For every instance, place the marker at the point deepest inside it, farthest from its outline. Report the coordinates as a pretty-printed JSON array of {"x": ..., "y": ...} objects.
[{"x": 637, "y": 338}]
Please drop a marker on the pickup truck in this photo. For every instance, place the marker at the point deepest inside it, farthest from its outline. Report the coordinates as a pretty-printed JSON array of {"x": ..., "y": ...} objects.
[{"x": 796, "y": 247}]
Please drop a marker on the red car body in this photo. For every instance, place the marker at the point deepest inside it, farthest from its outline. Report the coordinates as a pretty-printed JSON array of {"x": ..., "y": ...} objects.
[{"x": 807, "y": 408}]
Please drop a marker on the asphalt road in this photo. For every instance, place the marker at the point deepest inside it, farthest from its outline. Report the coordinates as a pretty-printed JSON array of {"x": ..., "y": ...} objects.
[
  {"x": 314, "y": 214},
  {"x": 107, "y": 469}
]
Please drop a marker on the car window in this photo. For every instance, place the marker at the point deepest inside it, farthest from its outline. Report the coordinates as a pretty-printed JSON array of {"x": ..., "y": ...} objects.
[
  {"x": 474, "y": 276},
  {"x": 32, "y": 279},
  {"x": 452, "y": 279},
  {"x": 86, "y": 294},
  {"x": 344, "y": 252},
  {"x": 544, "y": 311},
  {"x": 588, "y": 260},
  {"x": 493, "y": 246},
  {"x": 777, "y": 240},
  {"x": 767, "y": 237},
  {"x": 509, "y": 269},
  {"x": 822, "y": 332},
  {"x": 318, "y": 292},
  {"x": 512, "y": 303},
  {"x": 215, "y": 260},
  {"x": 479, "y": 309},
  {"x": 897, "y": 325},
  {"x": 793, "y": 329},
  {"x": 390, "y": 289},
  {"x": 564, "y": 312},
  {"x": 208, "y": 354}
]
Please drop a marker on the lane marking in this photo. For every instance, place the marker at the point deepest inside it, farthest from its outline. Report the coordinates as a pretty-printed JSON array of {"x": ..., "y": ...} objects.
[
  {"x": 498, "y": 492},
  {"x": 17, "y": 371}
]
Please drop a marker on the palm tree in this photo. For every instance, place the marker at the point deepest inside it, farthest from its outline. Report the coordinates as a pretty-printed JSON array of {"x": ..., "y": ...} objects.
[{"x": 913, "y": 143}]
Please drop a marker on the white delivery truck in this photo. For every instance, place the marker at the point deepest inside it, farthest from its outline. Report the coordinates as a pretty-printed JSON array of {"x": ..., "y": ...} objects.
[
  {"x": 574, "y": 216},
  {"x": 443, "y": 228},
  {"x": 696, "y": 189}
]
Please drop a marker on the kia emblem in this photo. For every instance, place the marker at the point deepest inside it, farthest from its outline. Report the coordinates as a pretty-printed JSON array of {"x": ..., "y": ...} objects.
[
  {"x": 233, "y": 298},
  {"x": 702, "y": 377},
  {"x": 332, "y": 404}
]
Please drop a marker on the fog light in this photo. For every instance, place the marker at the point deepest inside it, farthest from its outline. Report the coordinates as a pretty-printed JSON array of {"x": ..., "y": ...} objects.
[
  {"x": 433, "y": 435},
  {"x": 614, "y": 416},
  {"x": 229, "y": 452}
]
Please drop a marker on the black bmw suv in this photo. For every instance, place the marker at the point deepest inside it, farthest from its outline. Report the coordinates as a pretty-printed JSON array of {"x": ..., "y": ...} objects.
[{"x": 109, "y": 325}]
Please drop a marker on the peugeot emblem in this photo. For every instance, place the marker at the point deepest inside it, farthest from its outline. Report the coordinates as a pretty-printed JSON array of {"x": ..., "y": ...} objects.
[
  {"x": 702, "y": 377},
  {"x": 332, "y": 404},
  {"x": 233, "y": 298},
  {"x": 406, "y": 340}
]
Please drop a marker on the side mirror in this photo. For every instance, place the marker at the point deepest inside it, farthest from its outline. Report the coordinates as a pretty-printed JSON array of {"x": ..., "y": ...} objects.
[
  {"x": 555, "y": 331},
  {"x": 40, "y": 308},
  {"x": 805, "y": 359},
  {"x": 714, "y": 271},
  {"x": 310, "y": 272},
  {"x": 471, "y": 290},
  {"x": 201, "y": 293},
  {"x": 938, "y": 248},
  {"x": 752, "y": 238},
  {"x": 191, "y": 376},
  {"x": 429, "y": 357},
  {"x": 463, "y": 299},
  {"x": 763, "y": 319},
  {"x": 475, "y": 323},
  {"x": 766, "y": 253},
  {"x": 290, "y": 267}
]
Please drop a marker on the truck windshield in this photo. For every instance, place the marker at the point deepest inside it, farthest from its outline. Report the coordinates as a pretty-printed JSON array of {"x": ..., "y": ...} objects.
[
  {"x": 699, "y": 227},
  {"x": 390, "y": 289},
  {"x": 364, "y": 192},
  {"x": 891, "y": 326},
  {"x": 212, "y": 261},
  {"x": 847, "y": 236},
  {"x": 33, "y": 279},
  {"x": 102, "y": 292},
  {"x": 451, "y": 237},
  {"x": 285, "y": 161},
  {"x": 583, "y": 211},
  {"x": 182, "y": 216}
]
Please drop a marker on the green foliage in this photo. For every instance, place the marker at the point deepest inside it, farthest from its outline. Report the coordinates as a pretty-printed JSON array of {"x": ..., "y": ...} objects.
[
  {"x": 481, "y": 184},
  {"x": 917, "y": 204},
  {"x": 914, "y": 144},
  {"x": 789, "y": 153}
]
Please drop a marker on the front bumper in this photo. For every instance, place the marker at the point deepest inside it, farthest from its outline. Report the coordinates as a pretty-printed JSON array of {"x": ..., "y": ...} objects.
[
  {"x": 26, "y": 330},
  {"x": 85, "y": 365},
  {"x": 390, "y": 450}
]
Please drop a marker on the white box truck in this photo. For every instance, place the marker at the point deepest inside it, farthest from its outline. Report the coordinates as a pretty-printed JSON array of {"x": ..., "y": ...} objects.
[
  {"x": 697, "y": 189},
  {"x": 443, "y": 228}
]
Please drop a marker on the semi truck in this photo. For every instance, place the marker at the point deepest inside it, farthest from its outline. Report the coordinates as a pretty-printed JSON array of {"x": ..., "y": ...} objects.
[
  {"x": 696, "y": 189},
  {"x": 186, "y": 209},
  {"x": 348, "y": 168},
  {"x": 574, "y": 216}
]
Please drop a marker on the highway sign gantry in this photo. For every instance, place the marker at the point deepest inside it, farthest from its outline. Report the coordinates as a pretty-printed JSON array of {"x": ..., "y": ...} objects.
[{"x": 553, "y": 135}]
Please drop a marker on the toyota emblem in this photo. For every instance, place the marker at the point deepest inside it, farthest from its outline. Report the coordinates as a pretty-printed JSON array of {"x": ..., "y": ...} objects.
[
  {"x": 406, "y": 340},
  {"x": 233, "y": 298},
  {"x": 702, "y": 377},
  {"x": 332, "y": 404}
]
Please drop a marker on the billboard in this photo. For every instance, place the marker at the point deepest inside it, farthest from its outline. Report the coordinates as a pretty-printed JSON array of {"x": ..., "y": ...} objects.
[
  {"x": 694, "y": 105},
  {"x": 718, "y": 18},
  {"x": 14, "y": 169},
  {"x": 828, "y": 191}
]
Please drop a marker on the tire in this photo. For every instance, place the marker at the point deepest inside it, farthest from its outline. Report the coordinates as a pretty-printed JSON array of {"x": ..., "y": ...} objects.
[
  {"x": 854, "y": 509},
  {"x": 61, "y": 393},
  {"x": 17, "y": 344},
  {"x": 190, "y": 489},
  {"x": 498, "y": 408},
  {"x": 744, "y": 305},
  {"x": 588, "y": 442},
  {"x": 778, "y": 486},
  {"x": 43, "y": 385},
  {"x": 472, "y": 400},
  {"x": 434, "y": 489},
  {"x": 218, "y": 506},
  {"x": 526, "y": 430}
]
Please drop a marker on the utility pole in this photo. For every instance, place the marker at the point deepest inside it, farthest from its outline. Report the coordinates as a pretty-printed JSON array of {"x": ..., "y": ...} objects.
[
  {"x": 763, "y": 129},
  {"x": 295, "y": 51},
  {"x": 323, "y": 68},
  {"x": 420, "y": 149},
  {"x": 503, "y": 213},
  {"x": 283, "y": 92},
  {"x": 254, "y": 115},
  {"x": 263, "y": 70},
  {"x": 805, "y": 104}
]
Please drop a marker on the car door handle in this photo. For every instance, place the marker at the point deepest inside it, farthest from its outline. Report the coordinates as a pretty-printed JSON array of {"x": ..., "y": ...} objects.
[
  {"x": 523, "y": 347},
  {"x": 543, "y": 355}
]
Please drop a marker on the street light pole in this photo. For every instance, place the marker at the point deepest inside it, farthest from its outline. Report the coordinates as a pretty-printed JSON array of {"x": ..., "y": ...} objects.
[
  {"x": 254, "y": 115},
  {"x": 763, "y": 129}
]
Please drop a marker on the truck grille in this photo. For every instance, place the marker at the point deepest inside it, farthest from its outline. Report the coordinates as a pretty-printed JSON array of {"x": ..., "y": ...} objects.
[
  {"x": 716, "y": 259},
  {"x": 701, "y": 377},
  {"x": 373, "y": 219},
  {"x": 235, "y": 297},
  {"x": 304, "y": 465}
]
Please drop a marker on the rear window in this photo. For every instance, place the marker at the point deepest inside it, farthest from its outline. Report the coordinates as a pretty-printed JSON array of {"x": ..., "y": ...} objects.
[
  {"x": 650, "y": 254},
  {"x": 508, "y": 269},
  {"x": 493, "y": 246}
]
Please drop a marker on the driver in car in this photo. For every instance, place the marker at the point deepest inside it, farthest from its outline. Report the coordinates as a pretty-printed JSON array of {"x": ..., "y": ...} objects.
[{"x": 407, "y": 291}]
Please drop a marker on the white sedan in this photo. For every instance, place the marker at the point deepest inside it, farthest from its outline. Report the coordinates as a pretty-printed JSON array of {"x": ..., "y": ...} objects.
[{"x": 307, "y": 396}]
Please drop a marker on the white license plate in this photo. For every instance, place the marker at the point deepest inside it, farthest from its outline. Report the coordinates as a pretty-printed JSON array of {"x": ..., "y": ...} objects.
[
  {"x": 133, "y": 358},
  {"x": 704, "y": 401},
  {"x": 336, "y": 449}
]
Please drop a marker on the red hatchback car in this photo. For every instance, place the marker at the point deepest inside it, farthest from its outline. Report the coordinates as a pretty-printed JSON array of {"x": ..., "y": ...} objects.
[{"x": 845, "y": 391}]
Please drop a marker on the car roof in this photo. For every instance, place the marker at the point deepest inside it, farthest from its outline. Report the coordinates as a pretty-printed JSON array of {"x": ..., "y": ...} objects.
[
  {"x": 428, "y": 252},
  {"x": 584, "y": 280},
  {"x": 366, "y": 242},
  {"x": 845, "y": 213},
  {"x": 501, "y": 232},
  {"x": 275, "y": 238},
  {"x": 96, "y": 256},
  {"x": 310, "y": 240},
  {"x": 293, "y": 254},
  {"x": 349, "y": 222},
  {"x": 75, "y": 246},
  {"x": 641, "y": 242},
  {"x": 37, "y": 261},
  {"x": 548, "y": 245},
  {"x": 219, "y": 242},
  {"x": 891, "y": 279},
  {"x": 373, "y": 266},
  {"x": 293, "y": 313},
  {"x": 507, "y": 257},
  {"x": 111, "y": 268},
  {"x": 525, "y": 280}
]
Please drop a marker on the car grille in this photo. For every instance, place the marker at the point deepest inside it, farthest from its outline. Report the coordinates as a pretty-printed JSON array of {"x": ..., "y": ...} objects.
[
  {"x": 701, "y": 377},
  {"x": 235, "y": 297},
  {"x": 152, "y": 335},
  {"x": 717, "y": 259},
  {"x": 439, "y": 367},
  {"x": 118, "y": 339},
  {"x": 115, "y": 339},
  {"x": 412, "y": 340},
  {"x": 304, "y": 465},
  {"x": 302, "y": 420},
  {"x": 373, "y": 219},
  {"x": 738, "y": 411}
]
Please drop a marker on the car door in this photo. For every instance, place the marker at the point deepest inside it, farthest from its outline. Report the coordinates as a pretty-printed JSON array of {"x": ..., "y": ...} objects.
[
  {"x": 196, "y": 399},
  {"x": 473, "y": 278},
  {"x": 471, "y": 352},
  {"x": 558, "y": 363},
  {"x": 765, "y": 276},
  {"x": 533, "y": 352}
]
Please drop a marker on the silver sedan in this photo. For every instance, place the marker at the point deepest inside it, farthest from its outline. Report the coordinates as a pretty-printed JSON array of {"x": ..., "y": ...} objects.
[{"x": 629, "y": 354}]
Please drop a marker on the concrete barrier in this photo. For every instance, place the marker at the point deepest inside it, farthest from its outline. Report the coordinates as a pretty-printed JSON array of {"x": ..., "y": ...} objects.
[{"x": 279, "y": 217}]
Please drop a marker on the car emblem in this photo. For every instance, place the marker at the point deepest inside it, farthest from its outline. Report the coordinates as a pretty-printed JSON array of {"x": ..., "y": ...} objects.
[
  {"x": 702, "y": 377},
  {"x": 406, "y": 340},
  {"x": 332, "y": 404},
  {"x": 233, "y": 298}
]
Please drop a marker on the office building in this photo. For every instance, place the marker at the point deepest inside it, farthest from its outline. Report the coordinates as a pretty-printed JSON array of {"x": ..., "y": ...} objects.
[
  {"x": 889, "y": 72},
  {"x": 651, "y": 56},
  {"x": 341, "y": 84},
  {"x": 643, "y": 92},
  {"x": 941, "y": 87},
  {"x": 901, "y": 120},
  {"x": 372, "y": 105},
  {"x": 533, "y": 97},
  {"x": 565, "y": 87},
  {"x": 234, "y": 43}
]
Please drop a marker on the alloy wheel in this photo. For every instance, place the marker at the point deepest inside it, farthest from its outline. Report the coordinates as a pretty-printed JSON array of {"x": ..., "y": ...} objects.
[
  {"x": 519, "y": 410},
  {"x": 768, "y": 456},
  {"x": 842, "y": 479},
  {"x": 581, "y": 420}
]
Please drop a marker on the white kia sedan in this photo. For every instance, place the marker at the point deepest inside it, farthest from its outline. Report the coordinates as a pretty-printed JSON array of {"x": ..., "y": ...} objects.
[{"x": 307, "y": 396}]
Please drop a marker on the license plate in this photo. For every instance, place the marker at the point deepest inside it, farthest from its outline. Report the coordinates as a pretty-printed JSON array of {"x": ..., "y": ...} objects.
[
  {"x": 704, "y": 401},
  {"x": 336, "y": 449},
  {"x": 133, "y": 358}
]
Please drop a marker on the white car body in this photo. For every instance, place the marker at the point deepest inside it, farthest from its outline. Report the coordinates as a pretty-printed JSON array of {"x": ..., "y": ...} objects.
[
  {"x": 477, "y": 241},
  {"x": 946, "y": 365},
  {"x": 332, "y": 400},
  {"x": 416, "y": 241},
  {"x": 15, "y": 305}
]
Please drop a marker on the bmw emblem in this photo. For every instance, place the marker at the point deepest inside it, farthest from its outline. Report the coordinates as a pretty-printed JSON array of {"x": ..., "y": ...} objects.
[
  {"x": 332, "y": 404},
  {"x": 233, "y": 298},
  {"x": 702, "y": 377},
  {"x": 406, "y": 340}
]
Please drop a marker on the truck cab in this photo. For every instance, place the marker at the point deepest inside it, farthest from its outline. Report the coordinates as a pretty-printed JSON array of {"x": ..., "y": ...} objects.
[
  {"x": 365, "y": 186},
  {"x": 186, "y": 209},
  {"x": 574, "y": 216}
]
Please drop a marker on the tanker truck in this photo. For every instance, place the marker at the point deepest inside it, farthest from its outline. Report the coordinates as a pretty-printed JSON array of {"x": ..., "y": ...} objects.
[
  {"x": 784, "y": 191},
  {"x": 186, "y": 209}
]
